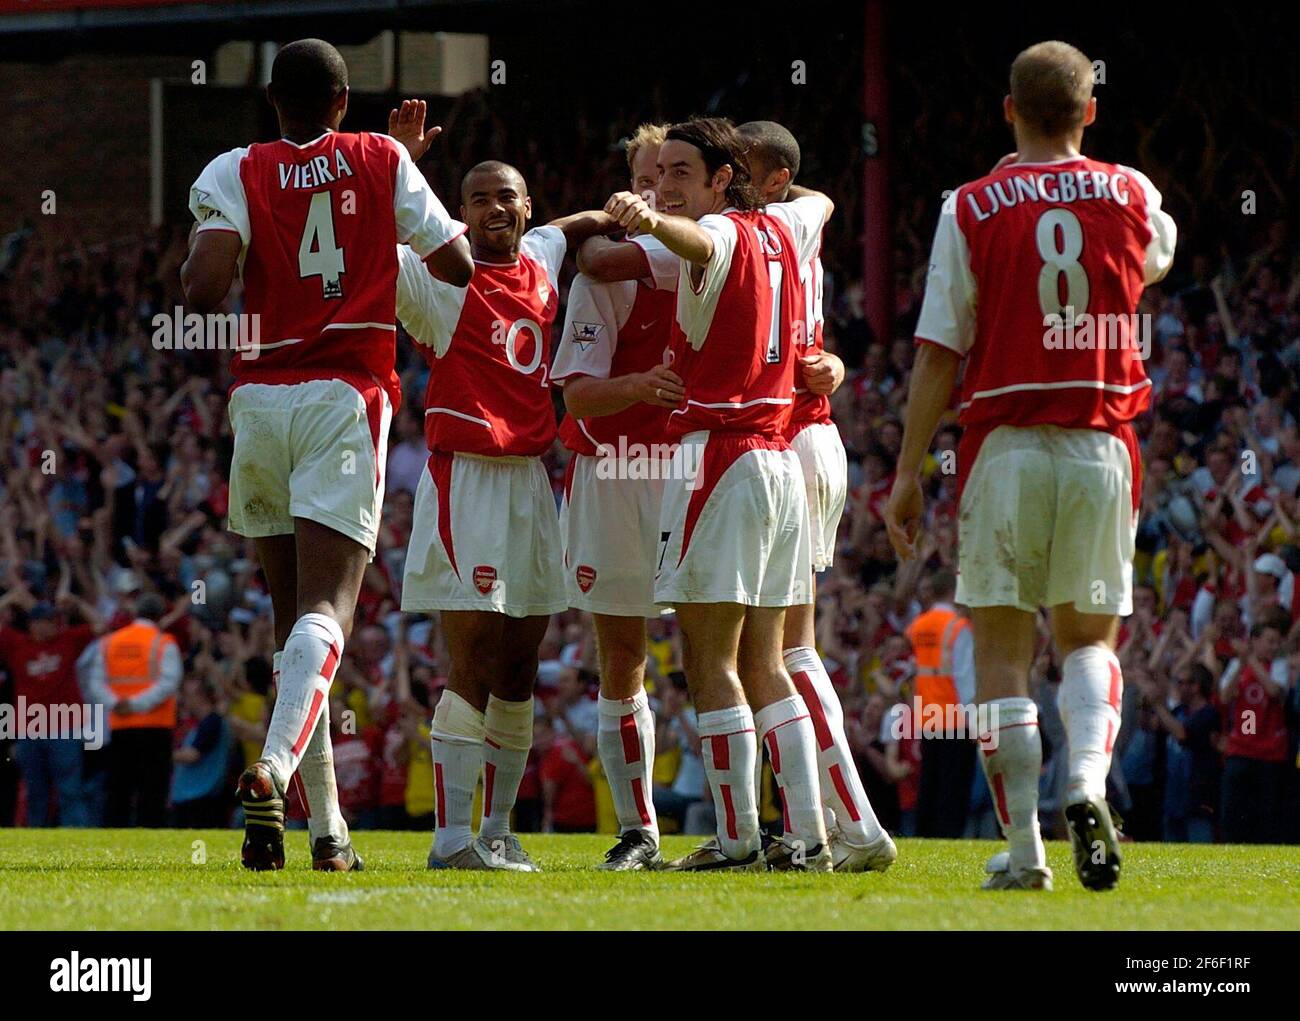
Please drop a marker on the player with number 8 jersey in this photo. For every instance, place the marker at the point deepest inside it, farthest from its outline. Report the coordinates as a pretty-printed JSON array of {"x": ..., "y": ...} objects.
[{"x": 1035, "y": 277}]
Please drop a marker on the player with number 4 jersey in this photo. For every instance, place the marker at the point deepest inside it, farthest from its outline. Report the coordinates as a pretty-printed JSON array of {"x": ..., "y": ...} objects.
[{"x": 310, "y": 223}]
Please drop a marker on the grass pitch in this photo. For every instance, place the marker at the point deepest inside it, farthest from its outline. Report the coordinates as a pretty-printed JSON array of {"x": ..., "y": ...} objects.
[{"x": 160, "y": 879}]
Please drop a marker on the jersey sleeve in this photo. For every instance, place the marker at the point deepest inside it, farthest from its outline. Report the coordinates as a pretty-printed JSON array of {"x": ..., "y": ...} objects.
[
  {"x": 422, "y": 220},
  {"x": 805, "y": 217},
  {"x": 427, "y": 308},
  {"x": 217, "y": 198},
  {"x": 696, "y": 305},
  {"x": 664, "y": 265},
  {"x": 548, "y": 246},
  {"x": 1164, "y": 232},
  {"x": 592, "y": 320},
  {"x": 948, "y": 309}
]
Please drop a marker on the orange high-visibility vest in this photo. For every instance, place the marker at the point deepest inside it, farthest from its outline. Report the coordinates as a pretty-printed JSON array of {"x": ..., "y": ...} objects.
[
  {"x": 132, "y": 660},
  {"x": 932, "y": 635}
]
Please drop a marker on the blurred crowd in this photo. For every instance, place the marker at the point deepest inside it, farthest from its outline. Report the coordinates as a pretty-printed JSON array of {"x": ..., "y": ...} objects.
[{"x": 113, "y": 460}]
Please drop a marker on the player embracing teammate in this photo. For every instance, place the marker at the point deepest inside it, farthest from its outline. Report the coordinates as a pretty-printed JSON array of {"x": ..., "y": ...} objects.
[
  {"x": 858, "y": 842},
  {"x": 485, "y": 544},
  {"x": 618, "y": 391},
  {"x": 734, "y": 545},
  {"x": 1048, "y": 461}
]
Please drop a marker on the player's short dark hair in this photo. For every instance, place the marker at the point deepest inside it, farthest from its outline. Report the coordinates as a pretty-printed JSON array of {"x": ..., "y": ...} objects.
[
  {"x": 493, "y": 167},
  {"x": 720, "y": 145},
  {"x": 772, "y": 145},
  {"x": 1051, "y": 83},
  {"x": 307, "y": 77}
]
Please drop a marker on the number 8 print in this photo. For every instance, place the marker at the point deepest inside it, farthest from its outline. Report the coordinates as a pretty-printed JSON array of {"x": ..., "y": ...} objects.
[{"x": 1058, "y": 260}]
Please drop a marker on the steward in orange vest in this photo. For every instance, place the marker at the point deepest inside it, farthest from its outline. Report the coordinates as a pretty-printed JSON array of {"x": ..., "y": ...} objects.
[
  {"x": 134, "y": 673},
  {"x": 945, "y": 676},
  {"x": 933, "y": 636}
]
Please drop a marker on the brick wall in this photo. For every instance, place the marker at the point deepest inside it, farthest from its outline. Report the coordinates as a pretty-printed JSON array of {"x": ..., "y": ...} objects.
[{"x": 80, "y": 127}]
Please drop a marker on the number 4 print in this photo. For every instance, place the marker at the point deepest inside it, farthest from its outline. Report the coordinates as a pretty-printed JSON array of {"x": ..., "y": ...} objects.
[{"x": 318, "y": 256}]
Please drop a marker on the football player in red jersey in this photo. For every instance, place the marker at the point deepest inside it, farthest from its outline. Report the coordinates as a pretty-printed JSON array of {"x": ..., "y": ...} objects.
[
  {"x": 311, "y": 222},
  {"x": 734, "y": 543},
  {"x": 618, "y": 391},
  {"x": 485, "y": 545},
  {"x": 1034, "y": 280},
  {"x": 858, "y": 843}
]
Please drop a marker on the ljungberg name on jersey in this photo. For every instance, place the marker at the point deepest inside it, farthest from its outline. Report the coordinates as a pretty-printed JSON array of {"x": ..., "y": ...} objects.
[{"x": 1060, "y": 186}]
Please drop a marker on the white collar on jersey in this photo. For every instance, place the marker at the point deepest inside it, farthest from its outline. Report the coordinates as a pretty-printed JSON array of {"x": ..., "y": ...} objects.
[
  {"x": 1049, "y": 163},
  {"x": 306, "y": 145}
]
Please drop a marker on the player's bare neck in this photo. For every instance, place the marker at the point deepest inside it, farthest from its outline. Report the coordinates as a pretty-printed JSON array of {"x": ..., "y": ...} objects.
[
  {"x": 1037, "y": 149},
  {"x": 492, "y": 257}
]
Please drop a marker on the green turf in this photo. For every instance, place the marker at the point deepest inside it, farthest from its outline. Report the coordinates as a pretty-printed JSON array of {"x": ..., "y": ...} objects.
[{"x": 141, "y": 879}]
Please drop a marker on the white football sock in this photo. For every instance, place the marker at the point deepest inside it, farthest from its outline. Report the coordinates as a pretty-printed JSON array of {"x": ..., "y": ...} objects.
[
  {"x": 786, "y": 730},
  {"x": 506, "y": 743},
  {"x": 729, "y": 749},
  {"x": 311, "y": 655},
  {"x": 457, "y": 742},
  {"x": 843, "y": 795},
  {"x": 1089, "y": 703},
  {"x": 1012, "y": 756},
  {"x": 625, "y": 741},
  {"x": 315, "y": 781}
]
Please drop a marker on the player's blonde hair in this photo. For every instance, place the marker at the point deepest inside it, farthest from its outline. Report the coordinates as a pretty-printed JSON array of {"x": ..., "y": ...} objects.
[
  {"x": 646, "y": 134},
  {"x": 1051, "y": 83}
]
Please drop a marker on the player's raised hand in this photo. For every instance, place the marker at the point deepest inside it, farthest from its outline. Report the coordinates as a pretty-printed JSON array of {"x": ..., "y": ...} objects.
[
  {"x": 660, "y": 387},
  {"x": 631, "y": 211},
  {"x": 406, "y": 124},
  {"x": 822, "y": 373},
  {"x": 902, "y": 515}
]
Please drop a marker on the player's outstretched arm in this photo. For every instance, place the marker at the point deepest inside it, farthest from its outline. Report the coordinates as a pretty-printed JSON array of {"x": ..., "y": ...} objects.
[
  {"x": 680, "y": 234},
  {"x": 931, "y": 381},
  {"x": 587, "y": 224},
  {"x": 209, "y": 270},
  {"x": 798, "y": 191},
  {"x": 609, "y": 261},
  {"x": 453, "y": 263}
]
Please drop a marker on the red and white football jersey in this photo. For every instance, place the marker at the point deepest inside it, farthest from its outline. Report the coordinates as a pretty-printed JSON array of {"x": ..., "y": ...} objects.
[
  {"x": 318, "y": 224},
  {"x": 732, "y": 344},
  {"x": 613, "y": 330},
  {"x": 810, "y": 408},
  {"x": 1022, "y": 253},
  {"x": 488, "y": 347}
]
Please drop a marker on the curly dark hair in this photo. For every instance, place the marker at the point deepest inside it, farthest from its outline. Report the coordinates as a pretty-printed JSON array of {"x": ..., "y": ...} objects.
[{"x": 720, "y": 144}]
